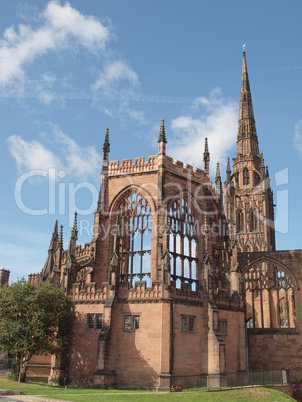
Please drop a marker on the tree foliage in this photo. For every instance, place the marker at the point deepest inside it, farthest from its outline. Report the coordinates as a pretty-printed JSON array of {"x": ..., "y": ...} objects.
[{"x": 34, "y": 319}]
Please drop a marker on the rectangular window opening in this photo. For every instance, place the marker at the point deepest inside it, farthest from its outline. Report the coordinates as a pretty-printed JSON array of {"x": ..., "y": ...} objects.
[
  {"x": 90, "y": 321},
  {"x": 127, "y": 323},
  {"x": 99, "y": 322},
  {"x": 136, "y": 322}
]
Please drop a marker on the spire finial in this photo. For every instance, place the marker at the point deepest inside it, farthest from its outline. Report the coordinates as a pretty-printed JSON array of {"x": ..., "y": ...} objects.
[
  {"x": 61, "y": 236},
  {"x": 106, "y": 146},
  {"x": 206, "y": 157},
  {"x": 228, "y": 170},
  {"x": 162, "y": 134},
  {"x": 218, "y": 171},
  {"x": 54, "y": 237},
  {"x": 243, "y": 49},
  {"x": 74, "y": 232}
]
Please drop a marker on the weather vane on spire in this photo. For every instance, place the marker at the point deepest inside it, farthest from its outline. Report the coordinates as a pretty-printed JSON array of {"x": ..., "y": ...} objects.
[{"x": 243, "y": 48}]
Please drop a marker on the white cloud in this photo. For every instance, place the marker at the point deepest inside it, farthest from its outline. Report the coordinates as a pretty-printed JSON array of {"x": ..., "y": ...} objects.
[
  {"x": 298, "y": 136},
  {"x": 83, "y": 162},
  {"x": 32, "y": 155},
  {"x": 213, "y": 117},
  {"x": 61, "y": 27},
  {"x": 113, "y": 72},
  {"x": 80, "y": 162}
]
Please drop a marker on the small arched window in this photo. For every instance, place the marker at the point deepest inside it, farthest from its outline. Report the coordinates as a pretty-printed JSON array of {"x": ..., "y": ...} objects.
[
  {"x": 253, "y": 221},
  {"x": 246, "y": 177},
  {"x": 240, "y": 221}
]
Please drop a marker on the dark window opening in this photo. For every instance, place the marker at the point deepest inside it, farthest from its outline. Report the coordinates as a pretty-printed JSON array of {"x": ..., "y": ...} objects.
[
  {"x": 131, "y": 322},
  {"x": 240, "y": 221},
  {"x": 127, "y": 323},
  {"x": 253, "y": 221},
  {"x": 95, "y": 321},
  {"x": 136, "y": 322},
  {"x": 187, "y": 324},
  {"x": 246, "y": 177},
  {"x": 99, "y": 321},
  {"x": 91, "y": 322},
  {"x": 223, "y": 327}
]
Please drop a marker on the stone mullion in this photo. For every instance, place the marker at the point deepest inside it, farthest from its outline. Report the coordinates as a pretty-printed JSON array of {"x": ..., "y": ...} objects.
[
  {"x": 182, "y": 250},
  {"x": 190, "y": 255},
  {"x": 141, "y": 231},
  {"x": 287, "y": 304},
  {"x": 261, "y": 302},
  {"x": 131, "y": 254}
]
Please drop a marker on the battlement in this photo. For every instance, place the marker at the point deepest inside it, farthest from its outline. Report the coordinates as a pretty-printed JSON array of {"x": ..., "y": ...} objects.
[
  {"x": 33, "y": 278},
  {"x": 83, "y": 252},
  {"x": 127, "y": 166}
]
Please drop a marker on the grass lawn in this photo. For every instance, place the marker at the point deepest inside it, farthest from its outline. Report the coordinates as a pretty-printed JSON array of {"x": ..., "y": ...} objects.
[{"x": 87, "y": 394}]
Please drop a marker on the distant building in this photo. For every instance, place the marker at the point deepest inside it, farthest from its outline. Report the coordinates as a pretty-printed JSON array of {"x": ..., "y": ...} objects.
[{"x": 181, "y": 277}]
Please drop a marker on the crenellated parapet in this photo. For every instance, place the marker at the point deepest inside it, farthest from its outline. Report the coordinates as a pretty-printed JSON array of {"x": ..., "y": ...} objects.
[
  {"x": 127, "y": 166},
  {"x": 34, "y": 278},
  {"x": 89, "y": 293}
]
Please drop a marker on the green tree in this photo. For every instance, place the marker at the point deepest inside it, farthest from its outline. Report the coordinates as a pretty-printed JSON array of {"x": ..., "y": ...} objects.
[{"x": 34, "y": 319}]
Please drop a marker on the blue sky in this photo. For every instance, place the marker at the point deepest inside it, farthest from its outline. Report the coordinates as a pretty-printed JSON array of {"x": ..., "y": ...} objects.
[{"x": 69, "y": 70}]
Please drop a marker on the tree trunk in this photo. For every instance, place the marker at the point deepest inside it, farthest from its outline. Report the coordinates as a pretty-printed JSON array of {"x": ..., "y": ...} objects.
[{"x": 20, "y": 366}]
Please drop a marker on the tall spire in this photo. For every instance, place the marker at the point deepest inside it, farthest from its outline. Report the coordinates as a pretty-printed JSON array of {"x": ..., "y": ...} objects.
[
  {"x": 206, "y": 157},
  {"x": 247, "y": 141}
]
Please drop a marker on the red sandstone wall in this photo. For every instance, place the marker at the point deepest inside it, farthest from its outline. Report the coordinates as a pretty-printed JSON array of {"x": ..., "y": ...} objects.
[
  {"x": 234, "y": 340},
  {"x": 141, "y": 355},
  {"x": 84, "y": 344},
  {"x": 188, "y": 346},
  {"x": 273, "y": 350}
]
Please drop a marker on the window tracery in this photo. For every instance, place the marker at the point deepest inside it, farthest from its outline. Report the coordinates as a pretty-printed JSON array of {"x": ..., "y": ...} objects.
[
  {"x": 269, "y": 296},
  {"x": 183, "y": 243},
  {"x": 135, "y": 239}
]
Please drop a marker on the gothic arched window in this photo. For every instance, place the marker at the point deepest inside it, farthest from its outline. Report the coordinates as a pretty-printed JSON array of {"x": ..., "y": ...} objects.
[
  {"x": 183, "y": 243},
  {"x": 135, "y": 239},
  {"x": 240, "y": 221},
  {"x": 246, "y": 177},
  {"x": 269, "y": 296}
]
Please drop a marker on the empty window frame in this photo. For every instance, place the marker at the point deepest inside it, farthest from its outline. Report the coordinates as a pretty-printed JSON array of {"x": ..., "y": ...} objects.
[
  {"x": 183, "y": 243},
  {"x": 269, "y": 296},
  {"x": 135, "y": 239}
]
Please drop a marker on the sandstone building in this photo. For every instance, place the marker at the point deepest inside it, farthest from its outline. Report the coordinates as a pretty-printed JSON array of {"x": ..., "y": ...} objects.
[{"x": 181, "y": 277}]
